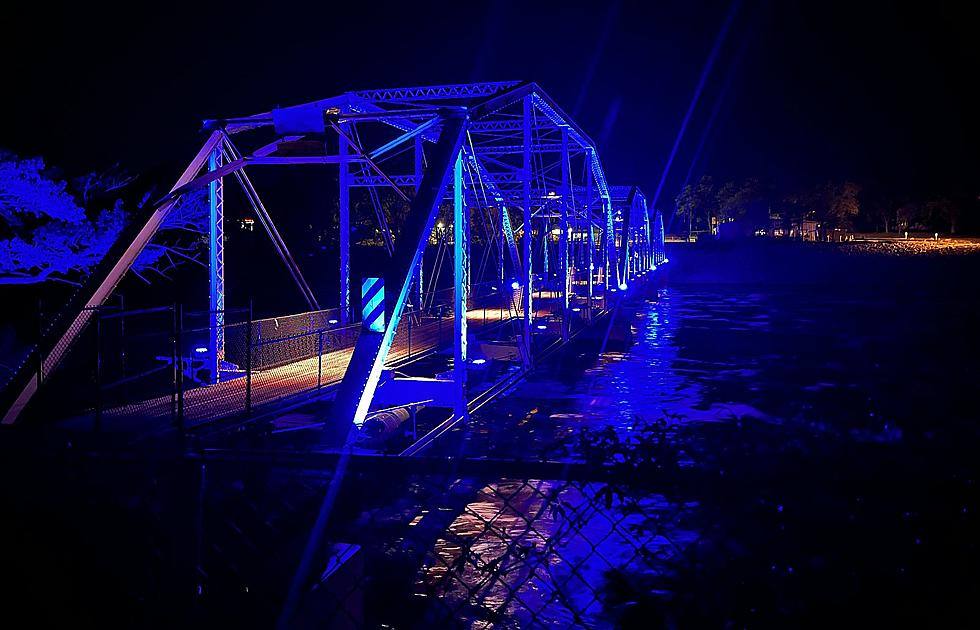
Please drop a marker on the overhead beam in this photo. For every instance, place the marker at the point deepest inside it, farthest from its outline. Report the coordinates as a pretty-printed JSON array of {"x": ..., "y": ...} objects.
[{"x": 405, "y": 137}]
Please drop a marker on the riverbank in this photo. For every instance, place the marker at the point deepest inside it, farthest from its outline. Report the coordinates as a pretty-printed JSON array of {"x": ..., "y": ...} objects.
[{"x": 916, "y": 262}]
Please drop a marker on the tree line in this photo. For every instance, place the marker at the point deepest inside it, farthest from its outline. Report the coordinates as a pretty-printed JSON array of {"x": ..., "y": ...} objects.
[
  {"x": 55, "y": 228},
  {"x": 844, "y": 205}
]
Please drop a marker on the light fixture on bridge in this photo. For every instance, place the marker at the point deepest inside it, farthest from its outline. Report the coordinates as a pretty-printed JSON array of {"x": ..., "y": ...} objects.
[{"x": 515, "y": 285}]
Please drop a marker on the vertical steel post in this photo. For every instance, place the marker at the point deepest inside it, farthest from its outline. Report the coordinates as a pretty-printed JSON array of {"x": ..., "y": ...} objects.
[
  {"x": 545, "y": 238},
  {"x": 419, "y": 164},
  {"x": 501, "y": 247},
  {"x": 461, "y": 280},
  {"x": 609, "y": 253},
  {"x": 647, "y": 245},
  {"x": 343, "y": 150},
  {"x": 564, "y": 268},
  {"x": 588, "y": 226},
  {"x": 528, "y": 232},
  {"x": 216, "y": 268}
]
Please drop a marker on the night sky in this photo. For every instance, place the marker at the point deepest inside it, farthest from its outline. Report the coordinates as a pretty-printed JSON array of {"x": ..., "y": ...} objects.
[{"x": 799, "y": 92}]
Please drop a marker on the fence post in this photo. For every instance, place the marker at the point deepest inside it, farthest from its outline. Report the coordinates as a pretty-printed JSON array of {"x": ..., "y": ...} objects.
[
  {"x": 179, "y": 326},
  {"x": 248, "y": 363},
  {"x": 319, "y": 359},
  {"x": 173, "y": 362},
  {"x": 98, "y": 369},
  {"x": 122, "y": 335},
  {"x": 40, "y": 338}
]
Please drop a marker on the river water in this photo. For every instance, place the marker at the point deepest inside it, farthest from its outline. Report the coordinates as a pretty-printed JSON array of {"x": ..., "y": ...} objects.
[{"x": 847, "y": 411}]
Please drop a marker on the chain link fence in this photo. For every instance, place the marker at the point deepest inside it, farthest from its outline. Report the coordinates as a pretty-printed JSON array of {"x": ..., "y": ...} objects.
[{"x": 406, "y": 542}]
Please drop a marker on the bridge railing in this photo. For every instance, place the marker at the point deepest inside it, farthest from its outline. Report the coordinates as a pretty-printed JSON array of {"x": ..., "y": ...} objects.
[{"x": 143, "y": 366}]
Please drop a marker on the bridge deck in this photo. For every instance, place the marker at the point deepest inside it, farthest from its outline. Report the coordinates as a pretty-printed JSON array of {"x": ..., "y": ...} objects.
[{"x": 227, "y": 398}]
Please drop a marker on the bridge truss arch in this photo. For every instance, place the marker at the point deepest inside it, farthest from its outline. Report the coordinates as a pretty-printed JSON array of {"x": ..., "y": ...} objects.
[{"x": 517, "y": 171}]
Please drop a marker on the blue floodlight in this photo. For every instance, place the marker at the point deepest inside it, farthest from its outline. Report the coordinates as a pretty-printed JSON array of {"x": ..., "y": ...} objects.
[
  {"x": 200, "y": 350},
  {"x": 332, "y": 321},
  {"x": 515, "y": 285}
]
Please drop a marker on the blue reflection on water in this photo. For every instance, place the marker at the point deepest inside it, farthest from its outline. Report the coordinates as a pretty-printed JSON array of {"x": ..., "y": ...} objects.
[{"x": 854, "y": 363}]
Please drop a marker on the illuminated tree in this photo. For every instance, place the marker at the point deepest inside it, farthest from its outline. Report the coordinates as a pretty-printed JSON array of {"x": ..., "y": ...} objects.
[
  {"x": 53, "y": 230},
  {"x": 842, "y": 204}
]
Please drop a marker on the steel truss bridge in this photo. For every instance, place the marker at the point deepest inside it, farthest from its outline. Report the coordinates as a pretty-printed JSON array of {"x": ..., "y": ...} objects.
[{"x": 513, "y": 167}]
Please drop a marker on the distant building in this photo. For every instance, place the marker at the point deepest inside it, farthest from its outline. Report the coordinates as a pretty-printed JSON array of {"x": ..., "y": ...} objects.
[{"x": 800, "y": 229}]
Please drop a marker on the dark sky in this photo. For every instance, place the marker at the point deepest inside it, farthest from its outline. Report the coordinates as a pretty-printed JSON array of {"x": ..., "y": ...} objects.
[{"x": 800, "y": 91}]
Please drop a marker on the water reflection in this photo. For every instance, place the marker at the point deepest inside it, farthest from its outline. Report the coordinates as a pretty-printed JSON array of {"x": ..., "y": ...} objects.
[{"x": 792, "y": 384}]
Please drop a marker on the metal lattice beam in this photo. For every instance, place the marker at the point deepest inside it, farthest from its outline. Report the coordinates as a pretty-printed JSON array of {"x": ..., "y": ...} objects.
[{"x": 436, "y": 92}]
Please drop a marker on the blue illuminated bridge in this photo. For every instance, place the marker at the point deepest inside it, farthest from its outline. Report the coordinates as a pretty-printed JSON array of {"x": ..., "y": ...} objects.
[{"x": 512, "y": 243}]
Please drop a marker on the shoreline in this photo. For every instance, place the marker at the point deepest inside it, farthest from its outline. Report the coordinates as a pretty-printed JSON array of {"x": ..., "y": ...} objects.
[{"x": 872, "y": 262}]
